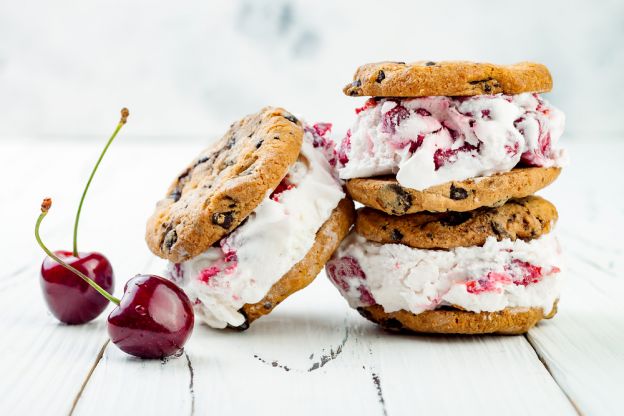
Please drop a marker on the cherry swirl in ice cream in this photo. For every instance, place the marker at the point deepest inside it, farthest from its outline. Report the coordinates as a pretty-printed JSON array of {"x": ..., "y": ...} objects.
[
  {"x": 432, "y": 140},
  {"x": 243, "y": 266}
]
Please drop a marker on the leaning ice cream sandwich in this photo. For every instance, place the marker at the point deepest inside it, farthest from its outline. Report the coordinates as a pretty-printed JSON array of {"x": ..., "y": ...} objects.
[
  {"x": 450, "y": 136},
  {"x": 253, "y": 218},
  {"x": 492, "y": 270}
]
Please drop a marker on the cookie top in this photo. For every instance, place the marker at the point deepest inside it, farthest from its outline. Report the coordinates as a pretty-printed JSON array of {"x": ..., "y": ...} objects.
[
  {"x": 525, "y": 218},
  {"x": 224, "y": 184},
  {"x": 385, "y": 193},
  {"x": 447, "y": 78}
]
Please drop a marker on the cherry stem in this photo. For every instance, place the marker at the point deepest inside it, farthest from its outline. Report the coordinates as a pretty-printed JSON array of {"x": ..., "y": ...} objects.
[
  {"x": 45, "y": 206},
  {"x": 124, "y": 117}
]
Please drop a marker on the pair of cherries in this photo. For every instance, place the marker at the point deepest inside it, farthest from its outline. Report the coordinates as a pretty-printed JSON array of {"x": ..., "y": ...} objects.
[{"x": 153, "y": 319}]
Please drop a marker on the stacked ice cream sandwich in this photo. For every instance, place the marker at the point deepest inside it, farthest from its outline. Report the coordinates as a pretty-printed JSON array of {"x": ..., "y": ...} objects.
[
  {"x": 446, "y": 157},
  {"x": 253, "y": 218}
]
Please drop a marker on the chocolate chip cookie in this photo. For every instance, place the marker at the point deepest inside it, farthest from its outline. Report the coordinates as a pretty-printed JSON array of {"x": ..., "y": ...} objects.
[
  {"x": 525, "y": 218},
  {"x": 224, "y": 184},
  {"x": 509, "y": 321},
  {"x": 447, "y": 78},
  {"x": 385, "y": 193}
]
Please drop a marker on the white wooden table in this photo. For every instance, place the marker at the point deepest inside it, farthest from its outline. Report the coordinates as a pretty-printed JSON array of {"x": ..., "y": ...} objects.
[{"x": 312, "y": 355}]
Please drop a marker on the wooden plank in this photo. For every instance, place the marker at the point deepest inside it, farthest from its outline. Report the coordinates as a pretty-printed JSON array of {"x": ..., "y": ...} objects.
[
  {"x": 135, "y": 179},
  {"x": 319, "y": 357},
  {"x": 582, "y": 345},
  {"x": 122, "y": 384},
  {"x": 43, "y": 362},
  {"x": 312, "y": 354},
  {"x": 48, "y": 362},
  {"x": 467, "y": 375}
]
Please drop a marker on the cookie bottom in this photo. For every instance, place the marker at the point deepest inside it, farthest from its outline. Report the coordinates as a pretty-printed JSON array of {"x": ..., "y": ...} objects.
[
  {"x": 510, "y": 321},
  {"x": 526, "y": 218},
  {"x": 328, "y": 238},
  {"x": 385, "y": 193}
]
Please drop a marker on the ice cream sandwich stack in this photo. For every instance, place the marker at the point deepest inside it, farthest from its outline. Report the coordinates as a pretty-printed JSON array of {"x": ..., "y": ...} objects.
[{"x": 446, "y": 157}]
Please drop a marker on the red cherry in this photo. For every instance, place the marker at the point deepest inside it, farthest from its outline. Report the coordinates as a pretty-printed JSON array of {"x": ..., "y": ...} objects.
[
  {"x": 70, "y": 299},
  {"x": 154, "y": 318}
]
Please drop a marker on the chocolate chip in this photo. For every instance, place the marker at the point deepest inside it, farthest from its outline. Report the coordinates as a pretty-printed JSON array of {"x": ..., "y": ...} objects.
[
  {"x": 400, "y": 63},
  {"x": 231, "y": 142},
  {"x": 430, "y": 63},
  {"x": 402, "y": 200},
  {"x": 202, "y": 160},
  {"x": 184, "y": 174},
  {"x": 525, "y": 224},
  {"x": 479, "y": 81},
  {"x": 244, "y": 325},
  {"x": 458, "y": 193},
  {"x": 170, "y": 238},
  {"x": 267, "y": 305},
  {"x": 259, "y": 144},
  {"x": 356, "y": 83},
  {"x": 380, "y": 76},
  {"x": 452, "y": 219},
  {"x": 182, "y": 179},
  {"x": 396, "y": 235},
  {"x": 223, "y": 219},
  {"x": 353, "y": 92},
  {"x": 175, "y": 195},
  {"x": 392, "y": 323},
  {"x": 276, "y": 137},
  {"x": 291, "y": 118},
  {"x": 365, "y": 313},
  {"x": 233, "y": 202},
  {"x": 487, "y": 83},
  {"x": 499, "y": 230}
]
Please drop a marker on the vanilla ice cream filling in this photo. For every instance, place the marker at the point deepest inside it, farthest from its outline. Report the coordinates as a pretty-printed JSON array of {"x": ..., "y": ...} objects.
[
  {"x": 276, "y": 236},
  {"x": 498, "y": 275},
  {"x": 432, "y": 140}
]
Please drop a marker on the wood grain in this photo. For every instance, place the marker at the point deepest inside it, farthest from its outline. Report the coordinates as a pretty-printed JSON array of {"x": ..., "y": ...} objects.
[{"x": 312, "y": 355}]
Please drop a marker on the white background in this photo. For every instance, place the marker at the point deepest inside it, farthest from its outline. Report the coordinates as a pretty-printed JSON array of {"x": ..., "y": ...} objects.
[{"x": 189, "y": 68}]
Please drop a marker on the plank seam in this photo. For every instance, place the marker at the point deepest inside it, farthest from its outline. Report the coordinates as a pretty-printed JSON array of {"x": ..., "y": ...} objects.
[
  {"x": 191, "y": 382},
  {"x": 547, "y": 367},
  {"x": 380, "y": 396},
  {"x": 98, "y": 358}
]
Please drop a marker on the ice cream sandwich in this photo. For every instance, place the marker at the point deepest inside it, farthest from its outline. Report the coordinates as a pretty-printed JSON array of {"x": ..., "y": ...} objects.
[
  {"x": 445, "y": 156},
  {"x": 253, "y": 218}
]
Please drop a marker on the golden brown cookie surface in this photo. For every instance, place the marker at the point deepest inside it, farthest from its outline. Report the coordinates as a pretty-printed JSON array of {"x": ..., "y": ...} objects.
[
  {"x": 509, "y": 321},
  {"x": 448, "y": 78},
  {"x": 524, "y": 218},
  {"x": 328, "y": 238},
  {"x": 385, "y": 193},
  {"x": 224, "y": 184}
]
